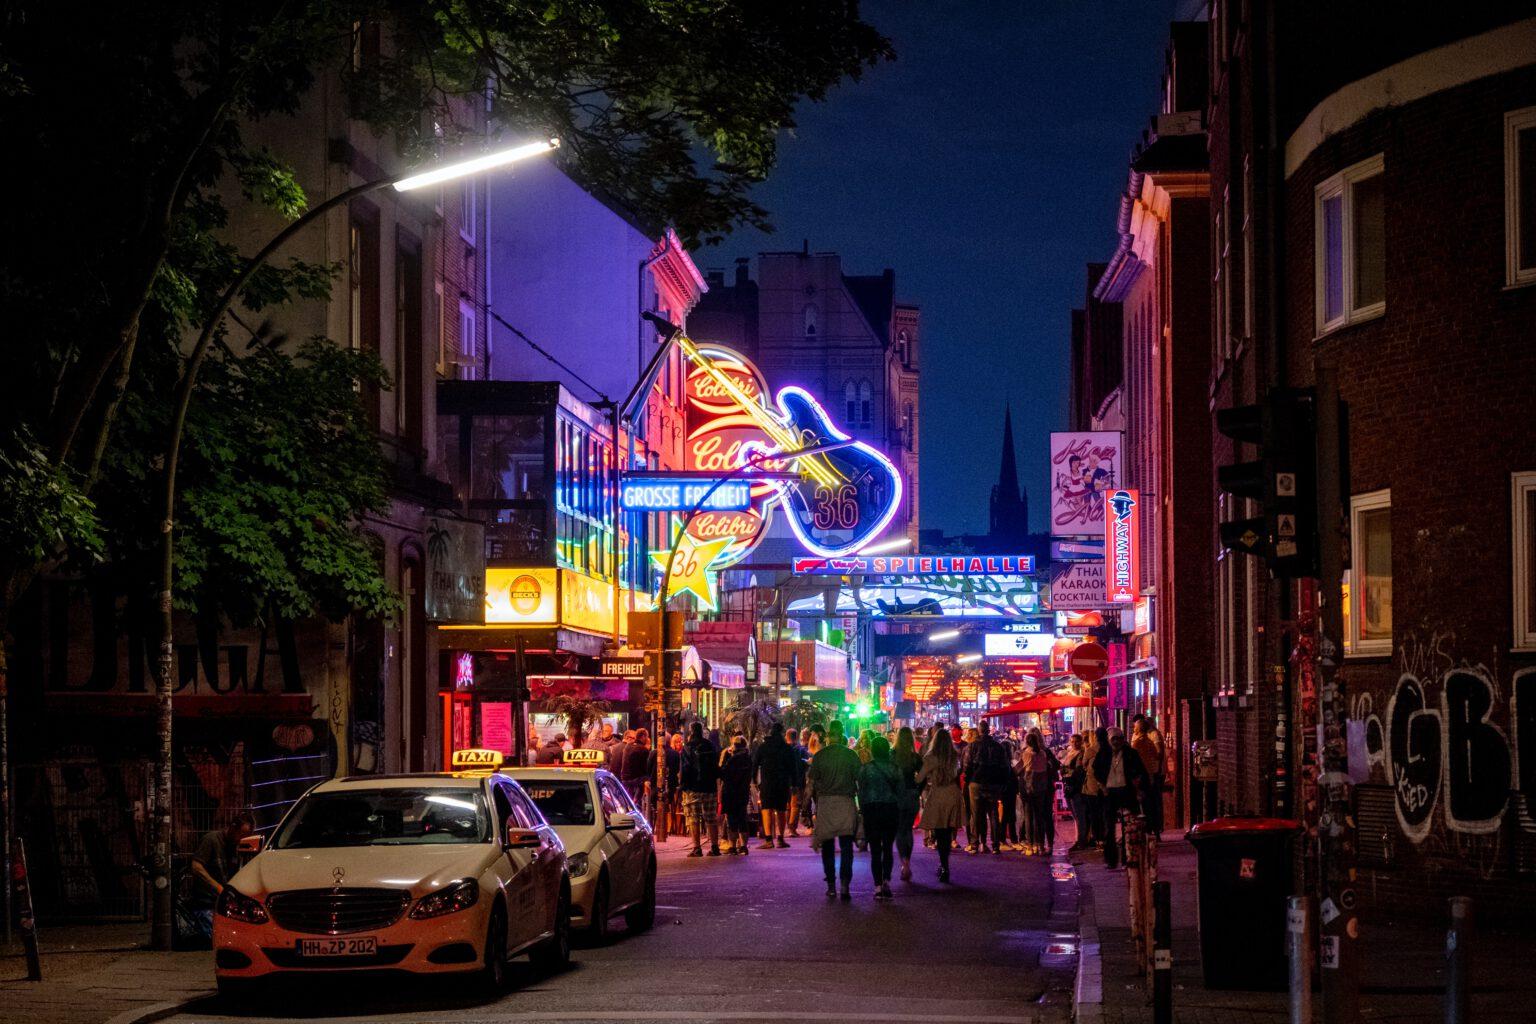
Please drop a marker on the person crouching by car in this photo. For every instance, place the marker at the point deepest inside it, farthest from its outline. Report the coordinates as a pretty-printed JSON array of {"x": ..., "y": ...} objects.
[{"x": 213, "y": 865}]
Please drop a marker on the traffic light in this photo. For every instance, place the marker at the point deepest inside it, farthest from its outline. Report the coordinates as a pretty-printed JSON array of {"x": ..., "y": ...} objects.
[{"x": 1283, "y": 480}]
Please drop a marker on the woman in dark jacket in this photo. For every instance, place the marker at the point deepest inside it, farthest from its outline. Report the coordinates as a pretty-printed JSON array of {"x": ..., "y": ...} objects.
[
  {"x": 735, "y": 789},
  {"x": 774, "y": 765},
  {"x": 908, "y": 763}
]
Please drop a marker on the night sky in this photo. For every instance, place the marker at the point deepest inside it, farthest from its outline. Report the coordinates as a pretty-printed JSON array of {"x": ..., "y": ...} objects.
[{"x": 984, "y": 165}]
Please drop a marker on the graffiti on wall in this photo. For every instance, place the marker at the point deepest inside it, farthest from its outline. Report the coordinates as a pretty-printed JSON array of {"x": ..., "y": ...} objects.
[{"x": 1446, "y": 755}]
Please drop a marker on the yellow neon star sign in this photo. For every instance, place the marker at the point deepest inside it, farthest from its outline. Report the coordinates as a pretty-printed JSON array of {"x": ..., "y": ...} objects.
[{"x": 690, "y": 568}]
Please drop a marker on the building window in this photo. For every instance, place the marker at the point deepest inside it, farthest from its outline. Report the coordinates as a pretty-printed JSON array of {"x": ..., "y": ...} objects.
[
  {"x": 810, "y": 320},
  {"x": 901, "y": 347},
  {"x": 908, "y": 427},
  {"x": 467, "y": 210},
  {"x": 851, "y": 402},
  {"x": 1520, "y": 196},
  {"x": 866, "y": 406},
  {"x": 1370, "y": 590},
  {"x": 444, "y": 356},
  {"x": 466, "y": 353},
  {"x": 1524, "y": 536},
  {"x": 1350, "y": 233}
]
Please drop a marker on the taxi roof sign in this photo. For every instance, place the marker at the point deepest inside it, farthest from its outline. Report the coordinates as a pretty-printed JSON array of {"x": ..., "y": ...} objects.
[
  {"x": 477, "y": 758},
  {"x": 584, "y": 755}
]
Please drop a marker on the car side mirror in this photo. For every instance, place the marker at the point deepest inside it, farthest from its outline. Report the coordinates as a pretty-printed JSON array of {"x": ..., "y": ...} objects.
[
  {"x": 249, "y": 845},
  {"x": 523, "y": 838},
  {"x": 621, "y": 822}
]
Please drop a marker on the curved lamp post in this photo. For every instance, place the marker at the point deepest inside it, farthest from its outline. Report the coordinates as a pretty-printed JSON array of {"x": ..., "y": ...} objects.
[{"x": 160, "y": 930}]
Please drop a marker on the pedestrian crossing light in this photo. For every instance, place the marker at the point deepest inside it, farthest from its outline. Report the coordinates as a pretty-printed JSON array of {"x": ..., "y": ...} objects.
[{"x": 1282, "y": 480}]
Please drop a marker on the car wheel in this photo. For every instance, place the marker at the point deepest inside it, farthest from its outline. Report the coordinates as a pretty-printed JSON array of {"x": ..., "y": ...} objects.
[
  {"x": 642, "y": 915},
  {"x": 555, "y": 952},
  {"x": 597, "y": 928},
  {"x": 493, "y": 974}
]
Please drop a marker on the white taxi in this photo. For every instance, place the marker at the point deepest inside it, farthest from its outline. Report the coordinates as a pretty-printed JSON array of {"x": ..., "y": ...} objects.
[
  {"x": 428, "y": 874},
  {"x": 610, "y": 848}
]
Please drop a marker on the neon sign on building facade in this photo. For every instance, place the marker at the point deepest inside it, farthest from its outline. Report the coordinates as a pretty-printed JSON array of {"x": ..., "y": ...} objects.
[{"x": 1121, "y": 524}]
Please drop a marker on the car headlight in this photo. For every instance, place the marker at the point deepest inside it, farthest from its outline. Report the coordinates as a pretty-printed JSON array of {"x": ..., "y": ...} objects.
[
  {"x": 237, "y": 906},
  {"x": 576, "y": 863},
  {"x": 450, "y": 899}
]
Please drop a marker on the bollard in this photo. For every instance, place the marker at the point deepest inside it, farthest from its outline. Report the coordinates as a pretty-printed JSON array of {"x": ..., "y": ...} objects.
[
  {"x": 1458, "y": 962},
  {"x": 1162, "y": 956},
  {"x": 1134, "y": 890},
  {"x": 1298, "y": 934}
]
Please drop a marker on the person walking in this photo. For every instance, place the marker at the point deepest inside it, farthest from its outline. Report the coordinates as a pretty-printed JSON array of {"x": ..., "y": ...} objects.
[
  {"x": 908, "y": 763},
  {"x": 1123, "y": 776},
  {"x": 669, "y": 801},
  {"x": 801, "y": 763},
  {"x": 833, "y": 783},
  {"x": 815, "y": 739},
  {"x": 774, "y": 766},
  {"x": 699, "y": 774},
  {"x": 1035, "y": 783},
  {"x": 1008, "y": 796},
  {"x": 879, "y": 801},
  {"x": 735, "y": 791},
  {"x": 942, "y": 804},
  {"x": 986, "y": 763},
  {"x": 1147, "y": 741},
  {"x": 1074, "y": 772},
  {"x": 1093, "y": 789}
]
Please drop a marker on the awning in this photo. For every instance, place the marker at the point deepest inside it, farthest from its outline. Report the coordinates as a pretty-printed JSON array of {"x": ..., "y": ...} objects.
[
  {"x": 725, "y": 676},
  {"x": 1043, "y": 702}
]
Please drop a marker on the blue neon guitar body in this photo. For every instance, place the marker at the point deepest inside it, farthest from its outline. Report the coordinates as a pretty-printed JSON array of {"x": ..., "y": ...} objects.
[{"x": 837, "y": 516}]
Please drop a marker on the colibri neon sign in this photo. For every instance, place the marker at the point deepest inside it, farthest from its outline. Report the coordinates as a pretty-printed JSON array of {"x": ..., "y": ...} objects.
[
  {"x": 917, "y": 565},
  {"x": 1121, "y": 525}
]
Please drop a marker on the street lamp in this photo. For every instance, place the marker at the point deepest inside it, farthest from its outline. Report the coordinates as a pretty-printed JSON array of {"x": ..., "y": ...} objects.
[
  {"x": 160, "y": 930},
  {"x": 895, "y": 544}
]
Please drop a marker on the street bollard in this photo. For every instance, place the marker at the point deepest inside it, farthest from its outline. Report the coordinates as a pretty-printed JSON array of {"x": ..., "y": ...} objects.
[
  {"x": 1458, "y": 963},
  {"x": 1129, "y": 828},
  {"x": 1299, "y": 932},
  {"x": 1162, "y": 955},
  {"x": 1148, "y": 881}
]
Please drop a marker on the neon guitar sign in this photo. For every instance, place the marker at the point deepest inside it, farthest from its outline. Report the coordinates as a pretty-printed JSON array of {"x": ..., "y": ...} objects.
[{"x": 843, "y": 499}]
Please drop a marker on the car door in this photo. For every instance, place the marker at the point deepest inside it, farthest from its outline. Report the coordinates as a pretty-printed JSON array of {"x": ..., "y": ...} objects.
[
  {"x": 549, "y": 859},
  {"x": 517, "y": 870},
  {"x": 624, "y": 866}
]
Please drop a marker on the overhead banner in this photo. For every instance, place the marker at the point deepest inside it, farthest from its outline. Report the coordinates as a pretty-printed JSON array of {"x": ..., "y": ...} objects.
[
  {"x": 1122, "y": 544},
  {"x": 916, "y": 565},
  {"x": 936, "y": 597},
  {"x": 1084, "y": 466}
]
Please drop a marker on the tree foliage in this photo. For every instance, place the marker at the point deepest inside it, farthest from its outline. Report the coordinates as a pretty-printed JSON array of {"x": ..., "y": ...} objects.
[{"x": 130, "y": 118}]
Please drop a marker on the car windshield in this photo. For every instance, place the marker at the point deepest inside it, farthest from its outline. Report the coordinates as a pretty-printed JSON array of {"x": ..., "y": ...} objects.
[
  {"x": 563, "y": 801},
  {"x": 387, "y": 817}
]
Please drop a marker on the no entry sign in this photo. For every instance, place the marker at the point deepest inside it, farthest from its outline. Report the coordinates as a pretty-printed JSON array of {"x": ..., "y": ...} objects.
[{"x": 1088, "y": 661}]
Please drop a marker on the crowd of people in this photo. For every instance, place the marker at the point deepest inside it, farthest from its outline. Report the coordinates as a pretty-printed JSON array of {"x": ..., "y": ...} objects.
[{"x": 876, "y": 791}]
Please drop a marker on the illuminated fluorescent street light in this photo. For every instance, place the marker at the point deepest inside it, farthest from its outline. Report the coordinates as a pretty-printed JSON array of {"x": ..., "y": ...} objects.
[
  {"x": 966, "y": 659},
  {"x": 944, "y": 634},
  {"x": 476, "y": 165},
  {"x": 895, "y": 544}
]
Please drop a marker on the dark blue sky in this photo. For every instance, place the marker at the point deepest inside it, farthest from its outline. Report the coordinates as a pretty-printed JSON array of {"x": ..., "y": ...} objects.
[{"x": 984, "y": 165}]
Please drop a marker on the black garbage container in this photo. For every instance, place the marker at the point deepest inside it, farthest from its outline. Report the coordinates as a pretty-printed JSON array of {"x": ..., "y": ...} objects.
[{"x": 1246, "y": 875}]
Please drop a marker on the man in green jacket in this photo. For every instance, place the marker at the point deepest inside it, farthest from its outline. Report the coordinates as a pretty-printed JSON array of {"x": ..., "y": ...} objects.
[{"x": 833, "y": 782}]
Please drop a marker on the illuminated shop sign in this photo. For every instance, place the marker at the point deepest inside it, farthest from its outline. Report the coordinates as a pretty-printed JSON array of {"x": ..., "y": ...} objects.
[
  {"x": 554, "y": 597},
  {"x": 1031, "y": 626},
  {"x": 1085, "y": 466},
  {"x": 520, "y": 596},
  {"x": 1121, "y": 527},
  {"x": 917, "y": 565},
  {"x": 1078, "y": 585},
  {"x": 647, "y": 493},
  {"x": 936, "y": 596},
  {"x": 718, "y": 431},
  {"x": 1025, "y": 645}
]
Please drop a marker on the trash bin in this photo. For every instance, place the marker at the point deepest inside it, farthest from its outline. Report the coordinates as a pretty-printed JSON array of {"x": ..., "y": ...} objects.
[{"x": 1246, "y": 874}]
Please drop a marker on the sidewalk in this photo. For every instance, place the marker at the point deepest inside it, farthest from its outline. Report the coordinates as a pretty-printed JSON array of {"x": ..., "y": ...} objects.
[
  {"x": 94, "y": 974},
  {"x": 1403, "y": 967}
]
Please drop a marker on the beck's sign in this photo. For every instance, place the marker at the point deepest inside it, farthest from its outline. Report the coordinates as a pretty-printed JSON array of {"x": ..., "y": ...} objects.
[
  {"x": 917, "y": 565},
  {"x": 1122, "y": 528}
]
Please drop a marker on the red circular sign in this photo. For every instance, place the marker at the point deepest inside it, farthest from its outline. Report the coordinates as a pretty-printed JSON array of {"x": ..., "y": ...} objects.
[{"x": 1088, "y": 661}]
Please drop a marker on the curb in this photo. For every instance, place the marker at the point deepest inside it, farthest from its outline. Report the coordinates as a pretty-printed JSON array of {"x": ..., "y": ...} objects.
[
  {"x": 1088, "y": 993},
  {"x": 158, "y": 1011}
]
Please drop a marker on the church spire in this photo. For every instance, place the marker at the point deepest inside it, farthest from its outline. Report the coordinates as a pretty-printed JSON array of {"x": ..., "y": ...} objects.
[{"x": 1010, "y": 508}]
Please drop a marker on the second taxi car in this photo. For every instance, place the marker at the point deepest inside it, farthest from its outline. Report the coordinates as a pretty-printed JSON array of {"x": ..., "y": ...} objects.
[
  {"x": 419, "y": 873},
  {"x": 609, "y": 845}
]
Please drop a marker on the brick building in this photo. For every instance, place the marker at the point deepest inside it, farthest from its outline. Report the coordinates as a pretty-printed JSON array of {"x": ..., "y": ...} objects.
[{"x": 1373, "y": 195}]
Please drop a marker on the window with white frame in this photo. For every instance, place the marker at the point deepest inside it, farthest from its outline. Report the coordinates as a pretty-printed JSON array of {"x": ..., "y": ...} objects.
[
  {"x": 1349, "y": 216},
  {"x": 1523, "y": 501},
  {"x": 467, "y": 350},
  {"x": 468, "y": 209},
  {"x": 1370, "y": 583},
  {"x": 1520, "y": 196}
]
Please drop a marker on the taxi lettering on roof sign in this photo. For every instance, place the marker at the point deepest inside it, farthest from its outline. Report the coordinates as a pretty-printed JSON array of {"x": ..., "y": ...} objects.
[
  {"x": 584, "y": 755},
  {"x": 477, "y": 759}
]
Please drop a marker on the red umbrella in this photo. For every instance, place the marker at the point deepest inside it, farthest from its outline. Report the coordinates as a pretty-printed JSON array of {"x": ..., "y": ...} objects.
[{"x": 1042, "y": 702}]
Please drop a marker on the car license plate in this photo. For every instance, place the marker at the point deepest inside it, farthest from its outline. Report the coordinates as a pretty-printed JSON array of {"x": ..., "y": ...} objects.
[{"x": 357, "y": 945}]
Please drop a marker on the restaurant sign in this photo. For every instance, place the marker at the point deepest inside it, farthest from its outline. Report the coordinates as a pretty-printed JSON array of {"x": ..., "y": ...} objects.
[
  {"x": 455, "y": 591},
  {"x": 1122, "y": 529}
]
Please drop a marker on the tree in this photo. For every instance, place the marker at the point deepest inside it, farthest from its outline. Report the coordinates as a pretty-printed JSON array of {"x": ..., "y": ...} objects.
[
  {"x": 803, "y": 715},
  {"x": 578, "y": 711},
  {"x": 752, "y": 718}
]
